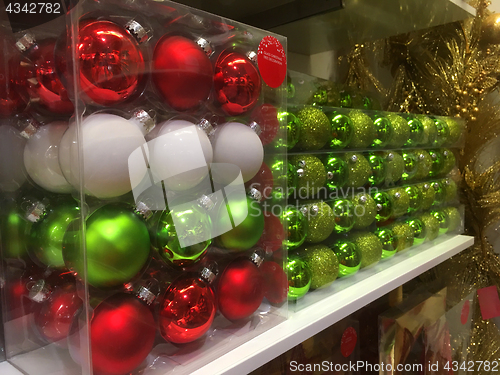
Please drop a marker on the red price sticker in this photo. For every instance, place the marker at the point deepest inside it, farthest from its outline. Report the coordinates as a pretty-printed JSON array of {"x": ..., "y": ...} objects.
[
  {"x": 271, "y": 59},
  {"x": 348, "y": 342}
]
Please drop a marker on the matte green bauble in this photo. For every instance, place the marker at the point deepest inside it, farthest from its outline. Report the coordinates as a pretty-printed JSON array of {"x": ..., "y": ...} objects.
[
  {"x": 349, "y": 257},
  {"x": 443, "y": 133},
  {"x": 449, "y": 161},
  {"x": 117, "y": 246},
  {"x": 315, "y": 130},
  {"x": 378, "y": 167},
  {"x": 403, "y": 234},
  {"x": 384, "y": 205},
  {"x": 344, "y": 218},
  {"x": 419, "y": 230},
  {"x": 47, "y": 233},
  {"x": 450, "y": 191},
  {"x": 364, "y": 129},
  {"x": 395, "y": 167},
  {"x": 416, "y": 131},
  {"x": 370, "y": 247},
  {"x": 181, "y": 237},
  {"x": 384, "y": 132},
  {"x": 456, "y": 128},
  {"x": 415, "y": 198},
  {"x": 424, "y": 164},
  {"x": 439, "y": 192},
  {"x": 14, "y": 229},
  {"x": 299, "y": 277},
  {"x": 296, "y": 225},
  {"x": 401, "y": 130},
  {"x": 428, "y": 194},
  {"x": 431, "y": 225},
  {"x": 437, "y": 163},
  {"x": 388, "y": 240},
  {"x": 293, "y": 126},
  {"x": 430, "y": 130},
  {"x": 365, "y": 210},
  {"x": 454, "y": 218},
  {"x": 411, "y": 165},
  {"x": 244, "y": 236},
  {"x": 310, "y": 174},
  {"x": 323, "y": 264},
  {"x": 341, "y": 130},
  {"x": 359, "y": 169},
  {"x": 400, "y": 201},
  {"x": 442, "y": 218},
  {"x": 321, "y": 221},
  {"x": 337, "y": 172}
]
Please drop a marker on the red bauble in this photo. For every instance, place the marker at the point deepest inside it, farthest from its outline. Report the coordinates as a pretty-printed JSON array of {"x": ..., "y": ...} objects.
[
  {"x": 266, "y": 115},
  {"x": 111, "y": 62},
  {"x": 182, "y": 72},
  {"x": 240, "y": 289},
  {"x": 236, "y": 82},
  {"x": 187, "y": 310},
  {"x": 274, "y": 234},
  {"x": 275, "y": 282},
  {"x": 263, "y": 181},
  {"x": 122, "y": 333}
]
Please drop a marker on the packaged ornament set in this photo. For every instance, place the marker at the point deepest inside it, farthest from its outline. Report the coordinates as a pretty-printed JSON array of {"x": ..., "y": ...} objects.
[{"x": 140, "y": 142}]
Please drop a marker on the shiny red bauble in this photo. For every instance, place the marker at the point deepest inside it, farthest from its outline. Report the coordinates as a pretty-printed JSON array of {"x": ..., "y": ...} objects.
[
  {"x": 182, "y": 72},
  {"x": 274, "y": 234},
  {"x": 266, "y": 115},
  {"x": 236, "y": 82},
  {"x": 187, "y": 310},
  {"x": 241, "y": 289},
  {"x": 275, "y": 282},
  {"x": 122, "y": 333},
  {"x": 111, "y": 62}
]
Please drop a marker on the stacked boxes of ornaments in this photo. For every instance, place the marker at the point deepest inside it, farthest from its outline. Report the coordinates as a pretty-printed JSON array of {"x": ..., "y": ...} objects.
[
  {"x": 135, "y": 161},
  {"x": 364, "y": 185}
]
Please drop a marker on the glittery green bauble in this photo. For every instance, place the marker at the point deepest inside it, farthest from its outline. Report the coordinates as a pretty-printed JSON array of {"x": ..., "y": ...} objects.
[
  {"x": 443, "y": 132},
  {"x": 315, "y": 131},
  {"x": 415, "y": 198},
  {"x": 400, "y": 201},
  {"x": 431, "y": 225},
  {"x": 321, "y": 222},
  {"x": 449, "y": 161},
  {"x": 359, "y": 169},
  {"x": 424, "y": 164},
  {"x": 403, "y": 234},
  {"x": 370, "y": 247},
  {"x": 388, "y": 241},
  {"x": 365, "y": 210},
  {"x": 450, "y": 191},
  {"x": 384, "y": 205},
  {"x": 430, "y": 130},
  {"x": 341, "y": 130},
  {"x": 442, "y": 219},
  {"x": 364, "y": 129},
  {"x": 416, "y": 131},
  {"x": 299, "y": 277},
  {"x": 337, "y": 172},
  {"x": 378, "y": 167},
  {"x": 411, "y": 165},
  {"x": 309, "y": 173},
  {"x": 320, "y": 97},
  {"x": 456, "y": 128},
  {"x": 293, "y": 126},
  {"x": 349, "y": 257},
  {"x": 295, "y": 225},
  {"x": 419, "y": 231},
  {"x": 323, "y": 264},
  {"x": 395, "y": 167},
  {"x": 454, "y": 218},
  {"x": 343, "y": 211},
  {"x": 401, "y": 130},
  {"x": 428, "y": 194},
  {"x": 384, "y": 132},
  {"x": 439, "y": 191},
  {"x": 437, "y": 163}
]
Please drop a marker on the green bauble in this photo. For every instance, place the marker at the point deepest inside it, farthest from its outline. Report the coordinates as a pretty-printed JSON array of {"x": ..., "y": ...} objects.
[
  {"x": 416, "y": 131},
  {"x": 424, "y": 164},
  {"x": 344, "y": 218},
  {"x": 384, "y": 132},
  {"x": 415, "y": 198},
  {"x": 419, "y": 230},
  {"x": 47, "y": 234},
  {"x": 295, "y": 224},
  {"x": 14, "y": 229},
  {"x": 400, "y": 201},
  {"x": 337, "y": 172},
  {"x": 117, "y": 246},
  {"x": 341, "y": 129},
  {"x": 321, "y": 221},
  {"x": 290, "y": 90},
  {"x": 395, "y": 167},
  {"x": 370, "y": 247},
  {"x": 365, "y": 210},
  {"x": 293, "y": 126},
  {"x": 323, "y": 264},
  {"x": 401, "y": 130},
  {"x": 309, "y": 173},
  {"x": 384, "y": 205},
  {"x": 181, "y": 236},
  {"x": 411, "y": 165},
  {"x": 443, "y": 133},
  {"x": 359, "y": 169},
  {"x": 439, "y": 191},
  {"x": 349, "y": 257},
  {"x": 320, "y": 97},
  {"x": 437, "y": 163},
  {"x": 388, "y": 240},
  {"x": 299, "y": 277},
  {"x": 449, "y": 161},
  {"x": 431, "y": 225},
  {"x": 245, "y": 235},
  {"x": 403, "y": 234},
  {"x": 450, "y": 191},
  {"x": 315, "y": 130},
  {"x": 430, "y": 130},
  {"x": 378, "y": 167},
  {"x": 364, "y": 129},
  {"x": 456, "y": 128},
  {"x": 428, "y": 194},
  {"x": 454, "y": 218},
  {"x": 345, "y": 100},
  {"x": 442, "y": 218}
]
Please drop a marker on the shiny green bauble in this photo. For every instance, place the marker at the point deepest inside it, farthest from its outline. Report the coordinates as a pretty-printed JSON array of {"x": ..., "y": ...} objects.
[
  {"x": 337, "y": 172},
  {"x": 449, "y": 161},
  {"x": 14, "y": 229},
  {"x": 439, "y": 192},
  {"x": 344, "y": 218},
  {"x": 247, "y": 221},
  {"x": 47, "y": 234},
  {"x": 293, "y": 126},
  {"x": 424, "y": 164},
  {"x": 359, "y": 169},
  {"x": 454, "y": 218},
  {"x": 431, "y": 225},
  {"x": 181, "y": 236},
  {"x": 428, "y": 194},
  {"x": 442, "y": 218},
  {"x": 401, "y": 130},
  {"x": 395, "y": 167},
  {"x": 345, "y": 100},
  {"x": 309, "y": 173},
  {"x": 384, "y": 132},
  {"x": 456, "y": 128},
  {"x": 349, "y": 257},
  {"x": 321, "y": 221},
  {"x": 117, "y": 246},
  {"x": 450, "y": 191},
  {"x": 370, "y": 247},
  {"x": 323, "y": 264},
  {"x": 437, "y": 163},
  {"x": 365, "y": 210},
  {"x": 388, "y": 240},
  {"x": 415, "y": 198},
  {"x": 315, "y": 130},
  {"x": 378, "y": 167},
  {"x": 341, "y": 130},
  {"x": 400, "y": 201},
  {"x": 320, "y": 97},
  {"x": 430, "y": 130},
  {"x": 403, "y": 234},
  {"x": 411, "y": 165},
  {"x": 419, "y": 230},
  {"x": 296, "y": 225},
  {"x": 364, "y": 129},
  {"x": 299, "y": 277},
  {"x": 384, "y": 205},
  {"x": 443, "y": 133},
  {"x": 416, "y": 131}
]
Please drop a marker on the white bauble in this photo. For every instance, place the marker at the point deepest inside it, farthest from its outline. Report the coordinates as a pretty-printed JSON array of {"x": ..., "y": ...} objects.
[
  {"x": 238, "y": 144},
  {"x": 12, "y": 171},
  {"x": 41, "y": 158}
]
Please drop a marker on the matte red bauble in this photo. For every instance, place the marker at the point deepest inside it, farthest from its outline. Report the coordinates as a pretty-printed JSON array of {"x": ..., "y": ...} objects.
[
  {"x": 275, "y": 282},
  {"x": 111, "y": 62},
  {"x": 187, "y": 310},
  {"x": 240, "y": 289},
  {"x": 263, "y": 181},
  {"x": 266, "y": 115},
  {"x": 274, "y": 234},
  {"x": 122, "y": 333},
  {"x": 182, "y": 72},
  {"x": 236, "y": 82}
]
